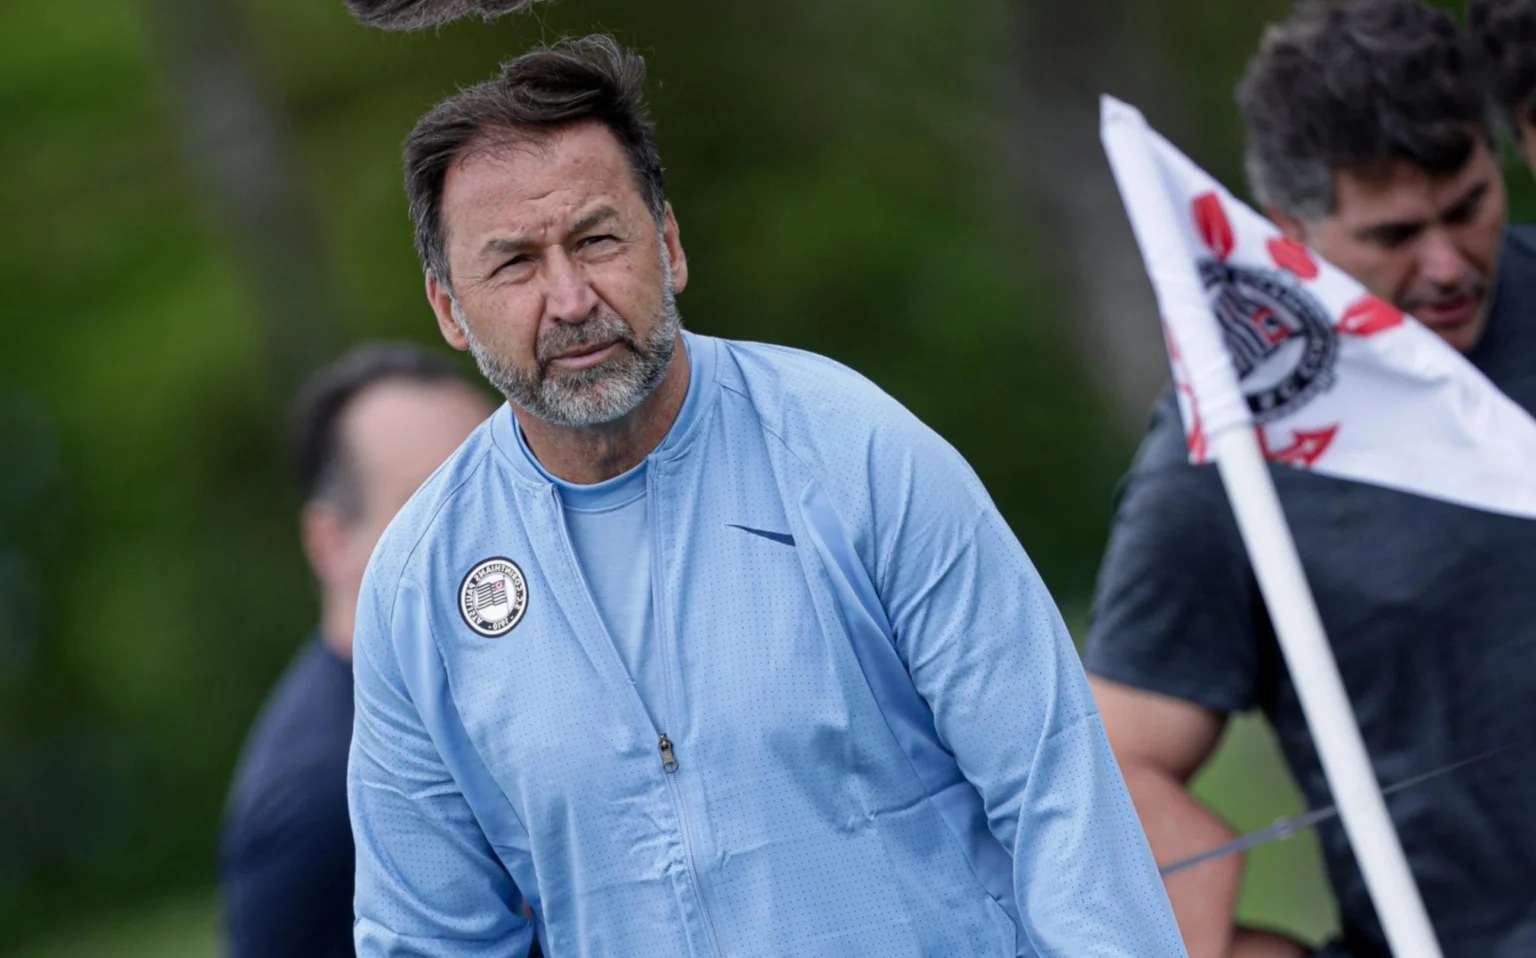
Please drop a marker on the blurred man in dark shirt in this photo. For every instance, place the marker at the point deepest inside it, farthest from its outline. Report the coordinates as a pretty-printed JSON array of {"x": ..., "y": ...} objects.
[{"x": 369, "y": 429}]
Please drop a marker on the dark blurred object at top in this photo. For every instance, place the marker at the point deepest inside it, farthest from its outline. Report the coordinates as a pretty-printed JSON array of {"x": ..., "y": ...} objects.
[
  {"x": 1505, "y": 33},
  {"x": 1505, "y": 30},
  {"x": 416, "y": 14}
]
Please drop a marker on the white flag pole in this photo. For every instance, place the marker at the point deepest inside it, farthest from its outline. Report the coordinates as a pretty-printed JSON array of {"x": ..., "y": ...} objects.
[
  {"x": 1267, "y": 538},
  {"x": 1299, "y": 629}
]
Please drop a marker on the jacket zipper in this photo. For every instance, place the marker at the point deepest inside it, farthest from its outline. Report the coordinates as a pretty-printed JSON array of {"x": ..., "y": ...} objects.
[
  {"x": 663, "y": 743},
  {"x": 669, "y": 766}
]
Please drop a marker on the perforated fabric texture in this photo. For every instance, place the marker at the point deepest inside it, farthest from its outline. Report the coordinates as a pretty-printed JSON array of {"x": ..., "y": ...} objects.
[{"x": 883, "y": 740}]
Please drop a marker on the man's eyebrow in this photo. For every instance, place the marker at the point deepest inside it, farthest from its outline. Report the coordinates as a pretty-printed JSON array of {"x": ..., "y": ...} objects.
[
  {"x": 508, "y": 244},
  {"x": 1470, "y": 198},
  {"x": 1389, "y": 227},
  {"x": 522, "y": 242},
  {"x": 594, "y": 218}
]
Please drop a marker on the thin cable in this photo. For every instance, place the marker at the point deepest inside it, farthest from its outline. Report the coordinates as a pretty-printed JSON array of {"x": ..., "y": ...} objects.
[{"x": 1286, "y": 827}]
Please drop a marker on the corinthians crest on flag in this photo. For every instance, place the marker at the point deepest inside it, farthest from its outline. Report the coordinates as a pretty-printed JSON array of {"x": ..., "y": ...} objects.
[{"x": 1262, "y": 332}]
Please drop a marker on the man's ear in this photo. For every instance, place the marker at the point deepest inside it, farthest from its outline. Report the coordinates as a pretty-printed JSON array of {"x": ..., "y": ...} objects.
[
  {"x": 441, "y": 297},
  {"x": 1293, "y": 228},
  {"x": 672, "y": 239},
  {"x": 324, "y": 534}
]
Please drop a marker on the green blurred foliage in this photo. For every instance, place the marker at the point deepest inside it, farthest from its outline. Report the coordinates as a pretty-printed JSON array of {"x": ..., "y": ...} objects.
[
  {"x": 183, "y": 926},
  {"x": 835, "y": 174}
]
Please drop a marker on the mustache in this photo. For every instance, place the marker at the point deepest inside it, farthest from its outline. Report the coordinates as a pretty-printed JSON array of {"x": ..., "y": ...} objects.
[
  {"x": 597, "y": 329},
  {"x": 1472, "y": 288}
]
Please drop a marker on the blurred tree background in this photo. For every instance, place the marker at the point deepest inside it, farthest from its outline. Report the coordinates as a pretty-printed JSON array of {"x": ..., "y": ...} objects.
[{"x": 205, "y": 201}]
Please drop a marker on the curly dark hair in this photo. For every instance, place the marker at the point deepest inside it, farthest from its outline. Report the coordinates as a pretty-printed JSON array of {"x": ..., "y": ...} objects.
[
  {"x": 1357, "y": 86},
  {"x": 573, "y": 81},
  {"x": 1505, "y": 32},
  {"x": 415, "y": 14}
]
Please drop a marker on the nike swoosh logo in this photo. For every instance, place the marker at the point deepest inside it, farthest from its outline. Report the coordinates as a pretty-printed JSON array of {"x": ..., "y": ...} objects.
[{"x": 783, "y": 538}]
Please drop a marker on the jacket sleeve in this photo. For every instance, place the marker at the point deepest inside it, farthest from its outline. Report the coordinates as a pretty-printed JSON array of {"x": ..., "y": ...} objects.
[
  {"x": 987, "y": 650},
  {"x": 429, "y": 882}
]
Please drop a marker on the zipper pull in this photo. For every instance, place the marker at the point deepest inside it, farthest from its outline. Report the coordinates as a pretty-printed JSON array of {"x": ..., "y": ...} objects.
[{"x": 668, "y": 760}]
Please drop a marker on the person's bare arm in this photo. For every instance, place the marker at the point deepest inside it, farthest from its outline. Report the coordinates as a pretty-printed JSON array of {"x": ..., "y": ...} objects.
[
  {"x": 1253, "y": 943},
  {"x": 1160, "y": 741}
]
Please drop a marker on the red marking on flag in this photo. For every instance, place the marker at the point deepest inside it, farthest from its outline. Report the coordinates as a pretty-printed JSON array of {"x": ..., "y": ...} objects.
[
  {"x": 1211, "y": 220},
  {"x": 1194, "y": 436},
  {"x": 1291, "y": 255},
  {"x": 1195, "y": 440},
  {"x": 1269, "y": 326},
  {"x": 1307, "y": 446},
  {"x": 1369, "y": 316}
]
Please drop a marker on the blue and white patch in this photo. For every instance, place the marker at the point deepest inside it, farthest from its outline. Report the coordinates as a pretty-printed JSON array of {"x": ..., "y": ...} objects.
[{"x": 493, "y": 597}]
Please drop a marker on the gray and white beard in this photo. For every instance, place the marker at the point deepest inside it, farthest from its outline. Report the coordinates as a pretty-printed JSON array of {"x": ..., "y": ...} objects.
[{"x": 595, "y": 395}]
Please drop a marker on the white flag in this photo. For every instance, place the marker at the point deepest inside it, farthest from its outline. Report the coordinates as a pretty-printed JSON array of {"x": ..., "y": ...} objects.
[{"x": 1262, "y": 331}]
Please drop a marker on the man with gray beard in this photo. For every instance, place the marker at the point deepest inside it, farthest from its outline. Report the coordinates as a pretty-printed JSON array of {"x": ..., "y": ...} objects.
[
  {"x": 699, "y": 647},
  {"x": 597, "y": 394}
]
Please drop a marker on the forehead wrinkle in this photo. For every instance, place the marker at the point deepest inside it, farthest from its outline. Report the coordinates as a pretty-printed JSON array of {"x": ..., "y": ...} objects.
[
  {"x": 499, "y": 146},
  {"x": 546, "y": 224},
  {"x": 1438, "y": 207},
  {"x": 586, "y": 221},
  {"x": 481, "y": 197},
  {"x": 1389, "y": 202}
]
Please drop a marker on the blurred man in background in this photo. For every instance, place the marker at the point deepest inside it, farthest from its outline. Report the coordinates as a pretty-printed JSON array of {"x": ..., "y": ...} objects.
[
  {"x": 369, "y": 430},
  {"x": 1368, "y": 138},
  {"x": 1505, "y": 32}
]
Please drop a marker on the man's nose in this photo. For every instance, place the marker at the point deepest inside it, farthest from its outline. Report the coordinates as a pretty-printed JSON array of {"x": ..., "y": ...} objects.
[
  {"x": 1440, "y": 260},
  {"x": 568, "y": 296}
]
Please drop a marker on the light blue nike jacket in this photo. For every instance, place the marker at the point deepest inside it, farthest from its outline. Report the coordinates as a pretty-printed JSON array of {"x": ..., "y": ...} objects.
[{"x": 876, "y": 739}]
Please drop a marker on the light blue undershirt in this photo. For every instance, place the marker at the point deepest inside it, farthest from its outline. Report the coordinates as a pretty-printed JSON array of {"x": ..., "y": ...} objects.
[{"x": 608, "y": 524}]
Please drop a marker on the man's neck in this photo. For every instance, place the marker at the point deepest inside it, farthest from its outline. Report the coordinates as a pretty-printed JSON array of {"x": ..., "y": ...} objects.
[
  {"x": 336, "y": 627},
  {"x": 590, "y": 454}
]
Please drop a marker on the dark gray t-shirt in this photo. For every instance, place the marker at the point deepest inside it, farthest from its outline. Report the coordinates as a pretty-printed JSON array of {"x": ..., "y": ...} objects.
[{"x": 1431, "y": 611}]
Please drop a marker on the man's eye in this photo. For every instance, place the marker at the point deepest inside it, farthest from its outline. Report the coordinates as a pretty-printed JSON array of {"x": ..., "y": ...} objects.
[
  {"x": 1461, "y": 214},
  {"x": 1393, "y": 238},
  {"x": 592, "y": 241},
  {"x": 514, "y": 262}
]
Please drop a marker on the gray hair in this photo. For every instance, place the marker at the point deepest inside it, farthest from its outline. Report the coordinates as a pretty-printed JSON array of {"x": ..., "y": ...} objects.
[
  {"x": 416, "y": 14},
  {"x": 1356, "y": 87},
  {"x": 591, "y": 79}
]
